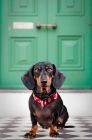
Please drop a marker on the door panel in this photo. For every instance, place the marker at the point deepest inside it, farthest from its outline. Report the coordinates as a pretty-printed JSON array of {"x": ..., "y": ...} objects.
[
  {"x": 71, "y": 47},
  {"x": 70, "y": 56},
  {"x": 22, "y": 53},
  {"x": 23, "y": 7},
  {"x": 70, "y": 7}
]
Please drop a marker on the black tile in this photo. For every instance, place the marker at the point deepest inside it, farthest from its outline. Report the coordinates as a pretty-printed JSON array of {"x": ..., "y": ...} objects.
[
  {"x": 88, "y": 127},
  {"x": 6, "y": 131},
  {"x": 89, "y": 136},
  {"x": 4, "y": 136},
  {"x": 88, "y": 131},
  {"x": 65, "y": 131},
  {"x": 67, "y": 136},
  {"x": 8, "y": 127}
]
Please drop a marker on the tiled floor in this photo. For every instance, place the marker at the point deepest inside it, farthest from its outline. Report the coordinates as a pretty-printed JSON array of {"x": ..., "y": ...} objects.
[{"x": 15, "y": 127}]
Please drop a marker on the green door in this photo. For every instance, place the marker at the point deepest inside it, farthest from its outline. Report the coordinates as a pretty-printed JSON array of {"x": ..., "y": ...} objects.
[{"x": 68, "y": 46}]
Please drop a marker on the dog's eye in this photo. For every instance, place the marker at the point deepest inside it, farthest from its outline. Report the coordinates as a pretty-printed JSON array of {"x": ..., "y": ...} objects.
[
  {"x": 49, "y": 69},
  {"x": 36, "y": 70}
]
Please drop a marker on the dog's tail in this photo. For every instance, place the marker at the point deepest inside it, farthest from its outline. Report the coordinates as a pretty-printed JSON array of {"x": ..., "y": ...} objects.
[{"x": 69, "y": 126}]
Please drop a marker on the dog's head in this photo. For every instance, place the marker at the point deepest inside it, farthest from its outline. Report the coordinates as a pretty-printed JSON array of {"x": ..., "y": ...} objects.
[{"x": 43, "y": 75}]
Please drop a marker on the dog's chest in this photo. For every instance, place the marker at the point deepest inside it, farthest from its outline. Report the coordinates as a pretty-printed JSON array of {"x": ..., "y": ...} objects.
[{"x": 44, "y": 115}]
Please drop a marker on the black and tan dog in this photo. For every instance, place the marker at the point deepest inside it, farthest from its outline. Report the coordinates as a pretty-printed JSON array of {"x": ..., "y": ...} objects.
[{"x": 45, "y": 104}]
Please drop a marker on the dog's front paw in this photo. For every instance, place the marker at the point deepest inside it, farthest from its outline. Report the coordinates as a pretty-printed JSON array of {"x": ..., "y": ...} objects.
[
  {"x": 53, "y": 131},
  {"x": 30, "y": 134},
  {"x": 54, "y": 134}
]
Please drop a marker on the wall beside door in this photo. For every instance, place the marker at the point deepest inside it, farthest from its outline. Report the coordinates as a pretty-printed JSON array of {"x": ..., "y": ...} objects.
[{"x": 78, "y": 103}]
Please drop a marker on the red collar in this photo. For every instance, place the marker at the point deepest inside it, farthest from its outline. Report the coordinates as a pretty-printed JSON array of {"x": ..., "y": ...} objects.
[{"x": 45, "y": 102}]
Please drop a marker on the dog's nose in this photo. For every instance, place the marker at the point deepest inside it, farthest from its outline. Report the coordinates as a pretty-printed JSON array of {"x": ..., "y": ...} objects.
[{"x": 44, "y": 81}]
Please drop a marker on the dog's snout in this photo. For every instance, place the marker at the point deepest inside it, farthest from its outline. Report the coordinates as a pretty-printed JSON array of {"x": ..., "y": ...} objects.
[{"x": 43, "y": 79}]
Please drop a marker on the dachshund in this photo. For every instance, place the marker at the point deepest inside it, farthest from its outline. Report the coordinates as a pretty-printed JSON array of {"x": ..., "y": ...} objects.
[{"x": 45, "y": 104}]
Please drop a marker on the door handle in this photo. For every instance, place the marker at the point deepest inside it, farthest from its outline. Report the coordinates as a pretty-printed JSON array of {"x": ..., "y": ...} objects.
[{"x": 39, "y": 25}]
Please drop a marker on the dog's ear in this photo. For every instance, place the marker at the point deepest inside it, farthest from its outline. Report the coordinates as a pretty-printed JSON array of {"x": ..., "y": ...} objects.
[
  {"x": 28, "y": 79},
  {"x": 58, "y": 78}
]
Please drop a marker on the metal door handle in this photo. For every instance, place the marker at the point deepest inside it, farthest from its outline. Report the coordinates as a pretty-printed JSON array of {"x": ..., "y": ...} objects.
[{"x": 39, "y": 25}]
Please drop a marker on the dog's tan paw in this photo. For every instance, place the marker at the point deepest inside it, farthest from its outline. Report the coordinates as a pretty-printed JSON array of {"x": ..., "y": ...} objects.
[
  {"x": 32, "y": 133},
  {"x": 53, "y": 131},
  {"x": 54, "y": 134},
  {"x": 29, "y": 135}
]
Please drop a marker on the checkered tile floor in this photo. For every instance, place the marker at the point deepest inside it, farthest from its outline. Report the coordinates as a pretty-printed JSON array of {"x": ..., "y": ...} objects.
[{"x": 15, "y": 127}]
